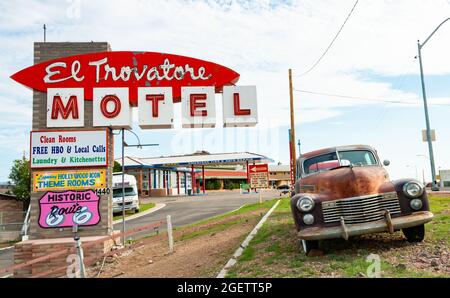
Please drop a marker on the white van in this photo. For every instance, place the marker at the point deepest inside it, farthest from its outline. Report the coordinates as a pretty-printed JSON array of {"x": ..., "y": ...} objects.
[{"x": 131, "y": 193}]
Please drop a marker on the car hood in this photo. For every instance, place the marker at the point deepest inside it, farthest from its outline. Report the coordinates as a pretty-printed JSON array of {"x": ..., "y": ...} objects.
[{"x": 347, "y": 182}]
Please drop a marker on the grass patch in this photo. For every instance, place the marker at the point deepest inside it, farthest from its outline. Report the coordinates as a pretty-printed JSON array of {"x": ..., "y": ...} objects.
[
  {"x": 438, "y": 229},
  {"x": 275, "y": 251},
  {"x": 143, "y": 207},
  {"x": 213, "y": 229},
  {"x": 245, "y": 213},
  {"x": 244, "y": 209}
]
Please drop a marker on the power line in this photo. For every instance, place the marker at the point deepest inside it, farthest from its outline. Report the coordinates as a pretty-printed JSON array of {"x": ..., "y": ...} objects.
[
  {"x": 396, "y": 86},
  {"x": 398, "y": 101},
  {"x": 331, "y": 44}
]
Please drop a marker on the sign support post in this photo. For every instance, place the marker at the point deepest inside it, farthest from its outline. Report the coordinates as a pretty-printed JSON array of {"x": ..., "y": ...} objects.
[{"x": 123, "y": 187}]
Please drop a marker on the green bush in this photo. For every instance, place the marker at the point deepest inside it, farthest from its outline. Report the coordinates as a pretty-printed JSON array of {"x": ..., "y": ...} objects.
[
  {"x": 232, "y": 184},
  {"x": 213, "y": 184}
]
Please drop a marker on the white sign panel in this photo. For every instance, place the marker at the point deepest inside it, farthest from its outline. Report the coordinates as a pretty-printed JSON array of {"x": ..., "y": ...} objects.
[
  {"x": 199, "y": 109},
  {"x": 61, "y": 149},
  {"x": 65, "y": 107},
  {"x": 259, "y": 175},
  {"x": 239, "y": 106},
  {"x": 259, "y": 180},
  {"x": 155, "y": 107},
  {"x": 111, "y": 108}
]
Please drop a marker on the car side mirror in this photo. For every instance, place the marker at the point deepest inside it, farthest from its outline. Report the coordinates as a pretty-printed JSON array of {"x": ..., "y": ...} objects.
[{"x": 386, "y": 162}]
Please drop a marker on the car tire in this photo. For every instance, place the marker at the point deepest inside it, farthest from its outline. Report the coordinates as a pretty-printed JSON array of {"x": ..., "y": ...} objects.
[
  {"x": 136, "y": 210},
  {"x": 414, "y": 234},
  {"x": 308, "y": 245}
]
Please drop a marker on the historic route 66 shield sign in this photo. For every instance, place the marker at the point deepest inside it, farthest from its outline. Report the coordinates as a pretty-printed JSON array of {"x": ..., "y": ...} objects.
[{"x": 69, "y": 208}]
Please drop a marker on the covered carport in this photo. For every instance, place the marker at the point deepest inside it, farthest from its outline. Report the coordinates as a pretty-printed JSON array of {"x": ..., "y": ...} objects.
[{"x": 193, "y": 163}]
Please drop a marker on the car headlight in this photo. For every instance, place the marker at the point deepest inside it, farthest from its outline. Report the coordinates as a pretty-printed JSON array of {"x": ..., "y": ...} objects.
[
  {"x": 308, "y": 219},
  {"x": 305, "y": 204},
  {"x": 413, "y": 189},
  {"x": 416, "y": 204}
]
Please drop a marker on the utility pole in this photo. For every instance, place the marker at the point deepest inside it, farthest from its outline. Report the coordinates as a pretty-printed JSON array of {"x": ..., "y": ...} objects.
[
  {"x": 434, "y": 185},
  {"x": 292, "y": 131},
  {"x": 45, "y": 29}
]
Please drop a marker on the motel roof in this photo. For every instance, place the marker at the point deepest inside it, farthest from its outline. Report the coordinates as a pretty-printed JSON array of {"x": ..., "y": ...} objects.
[
  {"x": 223, "y": 174},
  {"x": 279, "y": 168},
  {"x": 203, "y": 158}
]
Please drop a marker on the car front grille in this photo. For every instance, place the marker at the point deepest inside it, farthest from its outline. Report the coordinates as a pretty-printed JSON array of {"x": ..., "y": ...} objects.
[{"x": 361, "y": 209}]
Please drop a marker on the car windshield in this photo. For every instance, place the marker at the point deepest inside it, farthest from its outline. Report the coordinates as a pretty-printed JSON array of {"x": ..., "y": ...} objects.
[
  {"x": 129, "y": 191},
  {"x": 330, "y": 161}
]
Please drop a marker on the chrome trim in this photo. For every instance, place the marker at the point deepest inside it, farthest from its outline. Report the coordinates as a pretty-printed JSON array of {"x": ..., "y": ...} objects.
[
  {"x": 361, "y": 209},
  {"x": 305, "y": 197},
  {"x": 407, "y": 221},
  {"x": 413, "y": 182}
]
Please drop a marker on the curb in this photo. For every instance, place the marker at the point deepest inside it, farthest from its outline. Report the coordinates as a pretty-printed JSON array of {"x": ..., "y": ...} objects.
[
  {"x": 157, "y": 207},
  {"x": 246, "y": 242},
  {"x": 5, "y": 248}
]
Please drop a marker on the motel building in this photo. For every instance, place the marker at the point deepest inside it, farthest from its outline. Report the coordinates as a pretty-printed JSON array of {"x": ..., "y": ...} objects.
[
  {"x": 279, "y": 175},
  {"x": 175, "y": 175},
  {"x": 444, "y": 179}
]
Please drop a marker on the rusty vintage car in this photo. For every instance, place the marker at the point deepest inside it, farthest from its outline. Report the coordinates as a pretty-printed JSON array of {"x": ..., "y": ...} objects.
[{"x": 345, "y": 191}]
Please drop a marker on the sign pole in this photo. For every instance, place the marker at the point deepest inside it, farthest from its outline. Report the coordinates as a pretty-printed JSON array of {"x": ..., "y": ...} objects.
[{"x": 123, "y": 187}]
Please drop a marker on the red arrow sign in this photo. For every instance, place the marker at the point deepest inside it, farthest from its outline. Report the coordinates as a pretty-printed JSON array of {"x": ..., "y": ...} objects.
[
  {"x": 126, "y": 69},
  {"x": 261, "y": 168}
]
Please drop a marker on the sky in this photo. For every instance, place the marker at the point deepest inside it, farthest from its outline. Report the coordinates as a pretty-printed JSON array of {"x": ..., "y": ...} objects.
[{"x": 372, "y": 61}]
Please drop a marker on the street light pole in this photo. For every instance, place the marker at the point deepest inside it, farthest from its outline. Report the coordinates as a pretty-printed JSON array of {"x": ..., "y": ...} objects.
[{"x": 427, "y": 120}]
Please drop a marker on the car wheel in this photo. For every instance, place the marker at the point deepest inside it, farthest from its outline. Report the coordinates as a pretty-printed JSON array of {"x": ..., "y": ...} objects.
[
  {"x": 308, "y": 245},
  {"x": 136, "y": 210},
  {"x": 414, "y": 234}
]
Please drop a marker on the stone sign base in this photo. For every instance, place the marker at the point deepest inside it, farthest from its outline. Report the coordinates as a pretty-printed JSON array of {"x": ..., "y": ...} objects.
[{"x": 31, "y": 249}]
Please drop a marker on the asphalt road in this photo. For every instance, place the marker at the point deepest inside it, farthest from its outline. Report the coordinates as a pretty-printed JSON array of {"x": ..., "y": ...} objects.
[
  {"x": 190, "y": 209},
  {"x": 183, "y": 210}
]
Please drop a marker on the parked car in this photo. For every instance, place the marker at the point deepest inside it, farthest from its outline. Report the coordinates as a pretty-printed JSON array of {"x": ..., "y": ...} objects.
[
  {"x": 284, "y": 186},
  {"x": 131, "y": 193},
  {"x": 284, "y": 189},
  {"x": 345, "y": 191}
]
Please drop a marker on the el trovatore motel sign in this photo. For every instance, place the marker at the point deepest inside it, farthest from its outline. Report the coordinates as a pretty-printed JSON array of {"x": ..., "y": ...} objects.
[{"x": 117, "y": 81}]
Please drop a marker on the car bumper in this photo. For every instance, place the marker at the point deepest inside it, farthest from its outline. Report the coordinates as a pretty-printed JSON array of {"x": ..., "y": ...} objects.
[
  {"x": 118, "y": 208},
  {"x": 385, "y": 225}
]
